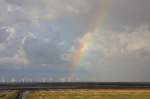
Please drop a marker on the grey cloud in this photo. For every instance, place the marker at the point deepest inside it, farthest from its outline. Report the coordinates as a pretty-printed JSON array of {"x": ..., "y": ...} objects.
[
  {"x": 121, "y": 68},
  {"x": 3, "y": 35},
  {"x": 41, "y": 32},
  {"x": 122, "y": 56},
  {"x": 133, "y": 13},
  {"x": 39, "y": 52},
  {"x": 36, "y": 11},
  {"x": 47, "y": 46},
  {"x": 119, "y": 13},
  {"x": 34, "y": 72}
]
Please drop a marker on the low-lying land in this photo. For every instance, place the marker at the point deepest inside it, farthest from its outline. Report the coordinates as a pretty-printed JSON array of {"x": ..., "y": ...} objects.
[
  {"x": 8, "y": 95},
  {"x": 91, "y": 94}
]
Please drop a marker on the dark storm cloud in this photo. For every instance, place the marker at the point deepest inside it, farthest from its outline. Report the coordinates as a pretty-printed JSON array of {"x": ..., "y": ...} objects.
[{"x": 39, "y": 52}]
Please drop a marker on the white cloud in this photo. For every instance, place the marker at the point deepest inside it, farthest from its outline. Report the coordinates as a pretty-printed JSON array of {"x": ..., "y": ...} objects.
[
  {"x": 12, "y": 32},
  {"x": 111, "y": 44},
  {"x": 19, "y": 55},
  {"x": 121, "y": 43},
  {"x": 28, "y": 35}
]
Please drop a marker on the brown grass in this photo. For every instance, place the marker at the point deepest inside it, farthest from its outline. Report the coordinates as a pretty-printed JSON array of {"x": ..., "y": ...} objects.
[{"x": 91, "y": 94}]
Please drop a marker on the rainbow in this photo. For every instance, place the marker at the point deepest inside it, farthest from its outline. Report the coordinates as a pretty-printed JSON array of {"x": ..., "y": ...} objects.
[
  {"x": 85, "y": 43},
  {"x": 79, "y": 54}
]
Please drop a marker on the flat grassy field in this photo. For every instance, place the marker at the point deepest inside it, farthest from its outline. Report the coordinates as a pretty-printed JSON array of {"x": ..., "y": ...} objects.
[
  {"x": 91, "y": 94},
  {"x": 8, "y": 95}
]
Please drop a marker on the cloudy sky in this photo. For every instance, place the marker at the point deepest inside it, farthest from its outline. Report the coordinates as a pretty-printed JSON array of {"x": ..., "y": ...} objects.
[{"x": 37, "y": 38}]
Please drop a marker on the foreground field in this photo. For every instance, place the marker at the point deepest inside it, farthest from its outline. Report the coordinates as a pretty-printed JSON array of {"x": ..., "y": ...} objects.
[
  {"x": 8, "y": 95},
  {"x": 91, "y": 94}
]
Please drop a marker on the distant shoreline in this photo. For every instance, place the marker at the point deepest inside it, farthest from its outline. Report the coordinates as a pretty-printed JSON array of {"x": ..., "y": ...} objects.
[{"x": 72, "y": 85}]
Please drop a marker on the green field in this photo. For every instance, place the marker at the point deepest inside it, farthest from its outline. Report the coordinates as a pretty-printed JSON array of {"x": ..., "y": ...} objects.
[
  {"x": 91, "y": 94},
  {"x": 8, "y": 95}
]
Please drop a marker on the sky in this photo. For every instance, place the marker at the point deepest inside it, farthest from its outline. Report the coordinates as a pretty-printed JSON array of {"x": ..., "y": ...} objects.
[{"x": 75, "y": 40}]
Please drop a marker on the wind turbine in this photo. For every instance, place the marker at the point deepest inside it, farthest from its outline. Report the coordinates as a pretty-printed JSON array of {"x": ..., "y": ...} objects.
[
  {"x": 13, "y": 80},
  {"x": 43, "y": 79}
]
